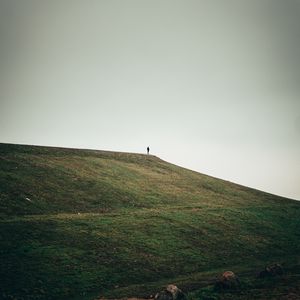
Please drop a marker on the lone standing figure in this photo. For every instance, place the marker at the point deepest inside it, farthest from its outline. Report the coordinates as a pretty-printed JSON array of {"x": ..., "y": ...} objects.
[{"x": 148, "y": 149}]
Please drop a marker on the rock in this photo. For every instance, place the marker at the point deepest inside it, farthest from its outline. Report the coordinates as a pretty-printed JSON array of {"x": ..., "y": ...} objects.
[
  {"x": 290, "y": 296},
  {"x": 176, "y": 292},
  {"x": 171, "y": 292},
  {"x": 164, "y": 295},
  {"x": 228, "y": 280},
  {"x": 271, "y": 270}
]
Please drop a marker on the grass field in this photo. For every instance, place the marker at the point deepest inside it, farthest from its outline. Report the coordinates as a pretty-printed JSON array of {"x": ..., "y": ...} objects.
[{"x": 82, "y": 224}]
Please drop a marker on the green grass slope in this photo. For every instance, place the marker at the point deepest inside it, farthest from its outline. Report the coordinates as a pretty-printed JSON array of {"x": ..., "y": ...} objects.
[{"x": 78, "y": 224}]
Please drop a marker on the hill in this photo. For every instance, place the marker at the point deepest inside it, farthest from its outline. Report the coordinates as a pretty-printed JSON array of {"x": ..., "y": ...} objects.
[{"x": 79, "y": 224}]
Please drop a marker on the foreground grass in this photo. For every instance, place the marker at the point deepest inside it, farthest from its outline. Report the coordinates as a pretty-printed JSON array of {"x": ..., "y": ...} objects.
[
  {"x": 79, "y": 224},
  {"x": 68, "y": 255}
]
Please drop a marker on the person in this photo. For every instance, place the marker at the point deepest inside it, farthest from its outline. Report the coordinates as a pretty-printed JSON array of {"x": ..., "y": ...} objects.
[{"x": 148, "y": 149}]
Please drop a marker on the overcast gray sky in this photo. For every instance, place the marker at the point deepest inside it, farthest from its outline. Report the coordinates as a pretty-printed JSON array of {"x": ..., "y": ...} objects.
[{"x": 211, "y": 85}]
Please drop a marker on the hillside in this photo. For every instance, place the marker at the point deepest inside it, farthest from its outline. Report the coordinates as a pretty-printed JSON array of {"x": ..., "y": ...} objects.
[{"x": 79, "y": 224}]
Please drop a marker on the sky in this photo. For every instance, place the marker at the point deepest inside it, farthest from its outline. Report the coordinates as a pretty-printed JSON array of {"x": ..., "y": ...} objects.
[{"x": 210, "y": 85}]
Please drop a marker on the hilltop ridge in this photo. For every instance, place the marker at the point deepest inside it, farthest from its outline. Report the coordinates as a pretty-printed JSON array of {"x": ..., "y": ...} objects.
[{"x": 75, "y": 180}]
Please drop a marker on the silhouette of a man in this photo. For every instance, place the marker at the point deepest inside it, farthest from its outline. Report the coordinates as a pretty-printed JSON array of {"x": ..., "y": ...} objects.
[{"x": 148, "y": 149}]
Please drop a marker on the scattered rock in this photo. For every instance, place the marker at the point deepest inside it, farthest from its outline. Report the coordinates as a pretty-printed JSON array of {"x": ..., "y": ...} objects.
[
  {"x": 164, "y": 295},
  {"x": 177, "y": 293},
  {"x": 290, "y": 296},
  {"x": 171, "y": 292},
  {"x": 228, "y": 280},
  {"x": 271, "y": 270}
]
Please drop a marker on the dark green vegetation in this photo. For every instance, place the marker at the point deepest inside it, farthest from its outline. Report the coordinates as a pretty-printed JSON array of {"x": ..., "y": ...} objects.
[{"x": 77, "y": 224}]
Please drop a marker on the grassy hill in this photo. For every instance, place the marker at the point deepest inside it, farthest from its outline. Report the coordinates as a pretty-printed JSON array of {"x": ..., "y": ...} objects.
[{"x": 80, "y": 224}]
